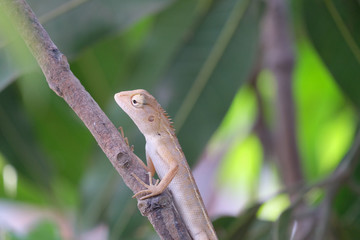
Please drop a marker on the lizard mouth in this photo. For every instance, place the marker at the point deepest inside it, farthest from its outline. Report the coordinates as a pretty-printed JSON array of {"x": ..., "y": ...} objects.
[{"x": 118, "y": 98}]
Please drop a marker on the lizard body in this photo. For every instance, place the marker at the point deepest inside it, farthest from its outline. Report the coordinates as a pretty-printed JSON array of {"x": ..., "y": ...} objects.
[{"x": 164, "y": 155}]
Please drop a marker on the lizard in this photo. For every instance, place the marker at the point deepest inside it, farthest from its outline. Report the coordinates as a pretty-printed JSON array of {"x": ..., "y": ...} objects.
[{"x": 165, "y": 156}]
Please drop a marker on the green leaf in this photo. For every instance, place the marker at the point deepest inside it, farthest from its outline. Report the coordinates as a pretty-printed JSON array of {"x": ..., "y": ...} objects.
[
  {"x": 103, "y": 191},
  {"x": 111, "y": 62},
  {"x": 44, "y": 230},
  {"x": 237, "y": 227},
  {"x": 344, "y": 230},
  {"x": 9, "y": 68},
  {"x": 72, "y": 25},
  {"x": 169, "y": 29},
  {"x": 260, "y": 230},
  {"x": 41, "y": 231},
  {"x": 17, "y": 140},
  {"x": 333, "y": 27},
  {"x": 208, "y": 70},
  {"x": 75, "y": 24},
  {"x": 59, "y": 131},
  {"x": 15, "y": 58},
  {"x": 281, "y": 230},
  {"x": 324, "y": 137}
]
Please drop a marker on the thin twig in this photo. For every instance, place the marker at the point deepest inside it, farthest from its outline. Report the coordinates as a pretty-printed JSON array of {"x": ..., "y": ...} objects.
[{"x": 160, "y": 210}]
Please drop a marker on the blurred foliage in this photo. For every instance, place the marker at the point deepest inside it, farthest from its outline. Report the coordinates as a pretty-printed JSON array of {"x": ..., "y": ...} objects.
[
  {"x": 42, "y": 230},
  {"x": 196, "y": 57},
  {"x": 339, "y": 22}
]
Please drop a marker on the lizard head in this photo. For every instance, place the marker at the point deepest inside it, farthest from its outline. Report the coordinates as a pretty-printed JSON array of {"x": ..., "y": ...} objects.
[{"x": 143, "y": 109}]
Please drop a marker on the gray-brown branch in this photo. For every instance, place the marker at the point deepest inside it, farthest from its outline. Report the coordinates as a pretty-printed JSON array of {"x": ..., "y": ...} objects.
[
  {"x": 279, "y": 58},
  {"x": 160, "y": 210}
]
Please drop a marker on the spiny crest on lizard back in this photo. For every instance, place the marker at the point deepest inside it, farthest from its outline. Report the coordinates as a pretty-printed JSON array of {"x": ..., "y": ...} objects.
[{"x": 166, "y": 119}]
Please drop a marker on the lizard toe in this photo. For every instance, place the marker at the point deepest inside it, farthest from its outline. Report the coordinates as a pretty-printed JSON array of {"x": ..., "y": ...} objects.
[
  {"x": 139, "y": 180},
  {"x": 142, "y": 192}
]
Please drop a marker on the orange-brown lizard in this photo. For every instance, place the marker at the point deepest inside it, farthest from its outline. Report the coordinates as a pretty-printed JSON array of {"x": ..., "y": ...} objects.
[{"x": 164, "y": 155}]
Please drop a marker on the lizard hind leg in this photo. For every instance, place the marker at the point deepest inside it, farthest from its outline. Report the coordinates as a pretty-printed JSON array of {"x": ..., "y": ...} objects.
[{"x": 157, "y": 188}]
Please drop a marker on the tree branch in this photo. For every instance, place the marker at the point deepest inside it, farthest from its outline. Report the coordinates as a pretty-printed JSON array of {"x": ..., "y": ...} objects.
[
  {"x": 279, "y": 57},
  {"x": 160, "y": 210}
]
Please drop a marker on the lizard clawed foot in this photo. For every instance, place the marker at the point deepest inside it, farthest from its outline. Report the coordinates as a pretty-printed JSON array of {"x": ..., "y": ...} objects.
[
  {"x": 151, "y": 189},
  {"x": 126, "y": 139}
]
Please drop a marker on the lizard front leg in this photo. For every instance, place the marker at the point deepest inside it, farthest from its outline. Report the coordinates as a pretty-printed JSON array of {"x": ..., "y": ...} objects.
[
  {"x": 159, "y": 186},
  {"x": 149, "y": 167}
]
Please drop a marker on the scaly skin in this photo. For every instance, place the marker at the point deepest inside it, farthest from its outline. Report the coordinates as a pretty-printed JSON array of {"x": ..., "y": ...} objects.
[{"x": 164, "y": 155}]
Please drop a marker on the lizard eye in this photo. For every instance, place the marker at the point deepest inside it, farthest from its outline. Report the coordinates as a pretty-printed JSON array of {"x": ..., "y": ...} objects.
[{"x": 138, "y": 100}]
